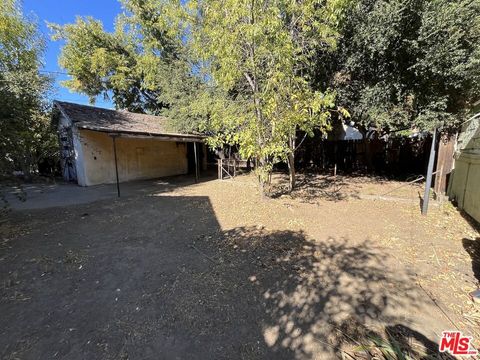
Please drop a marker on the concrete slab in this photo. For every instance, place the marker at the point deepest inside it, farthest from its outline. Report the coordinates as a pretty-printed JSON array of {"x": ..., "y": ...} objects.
[{"x": 42, "y": 196}]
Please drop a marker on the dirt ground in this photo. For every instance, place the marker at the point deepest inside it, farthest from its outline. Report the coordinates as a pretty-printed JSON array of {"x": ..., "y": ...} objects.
[{"x": 211, "y": 271}]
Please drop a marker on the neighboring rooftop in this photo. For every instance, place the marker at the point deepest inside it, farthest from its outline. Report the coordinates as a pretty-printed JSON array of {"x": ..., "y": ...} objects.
[{"x": 116, "y": 121}]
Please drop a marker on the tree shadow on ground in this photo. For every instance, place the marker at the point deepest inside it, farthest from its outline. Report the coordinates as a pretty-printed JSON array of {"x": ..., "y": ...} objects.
[
  {"x": 412, "y": 343},
  {"x": 472, "y": 247},
  {"x": 318, "y": 298},
  {"x": 157, "y": 276},
  {"x": 313, "y": 187}
]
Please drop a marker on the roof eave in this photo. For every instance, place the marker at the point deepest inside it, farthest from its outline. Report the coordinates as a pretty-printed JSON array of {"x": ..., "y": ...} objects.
[{"x": 142, "y": 134}]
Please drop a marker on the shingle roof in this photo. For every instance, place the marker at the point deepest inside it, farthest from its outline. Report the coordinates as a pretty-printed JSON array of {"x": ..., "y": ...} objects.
[{"x": 99, "y": 119}]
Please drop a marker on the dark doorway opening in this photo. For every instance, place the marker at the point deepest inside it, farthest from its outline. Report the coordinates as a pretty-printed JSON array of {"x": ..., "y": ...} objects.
[{"x": 191, "y": 157}]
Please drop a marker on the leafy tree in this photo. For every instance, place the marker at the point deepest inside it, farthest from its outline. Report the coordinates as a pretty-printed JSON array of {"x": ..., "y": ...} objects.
[
  {"x": 141, "y": 66},
  {"x": 406, "y": 64},
  {"x": 447, "y": 68},
  {"x": 167, "y": 62},
  {"x": 25, "y": 132},
  {"x": 103, "y": 63},
  {"x": 256, "y": 52}
]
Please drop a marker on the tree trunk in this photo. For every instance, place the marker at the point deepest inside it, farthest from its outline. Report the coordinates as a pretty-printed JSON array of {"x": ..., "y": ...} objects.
[
  {"x": 291, "y": 171},
  {"x": 261, "y": 178},
  {"x": 291, "y": 162},
  {"x": 259, "y": 115},
  {"x": 261, "y": 186},
  {"x": 25, "y": 168}
]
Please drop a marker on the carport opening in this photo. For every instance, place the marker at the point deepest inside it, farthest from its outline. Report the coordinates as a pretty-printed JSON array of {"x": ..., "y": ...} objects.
[
  {"x": 191, "y": 157},
  {"x": 195, "y": 152},
  {"x": 207, "y": 160}
]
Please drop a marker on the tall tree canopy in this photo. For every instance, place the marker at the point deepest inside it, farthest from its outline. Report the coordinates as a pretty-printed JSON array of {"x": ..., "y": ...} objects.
[
  {"x": 25, "y": 132},
  {"x": 142, "y": 65},
  {"x": 406, "y": 63},
  {"x": 258, "y": 52},
  {"x": 103, "y": 63}
]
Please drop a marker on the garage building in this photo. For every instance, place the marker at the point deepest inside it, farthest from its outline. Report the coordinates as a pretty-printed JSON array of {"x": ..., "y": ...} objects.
[{"x": 99, "y": 146}]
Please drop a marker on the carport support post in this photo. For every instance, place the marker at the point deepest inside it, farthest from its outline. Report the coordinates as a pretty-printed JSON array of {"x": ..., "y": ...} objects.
[
  {"x": 196, "y": 161},
  {"x": 116, "y": 163},
  {"x": 428, "y": 180}
]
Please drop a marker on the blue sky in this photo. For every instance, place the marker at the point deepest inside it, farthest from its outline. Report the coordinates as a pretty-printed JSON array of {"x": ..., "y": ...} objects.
[{"x": 64, "y": 12}]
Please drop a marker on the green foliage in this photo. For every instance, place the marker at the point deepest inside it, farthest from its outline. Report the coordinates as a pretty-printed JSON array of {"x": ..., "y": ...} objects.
[
  {"x": 102, "y": 63},
  {"x": 407, "y": 63},
  {"x": 25, "y": 132},
  {"x": 142, "y": 65},
  {"x": 257, "y": 53}
]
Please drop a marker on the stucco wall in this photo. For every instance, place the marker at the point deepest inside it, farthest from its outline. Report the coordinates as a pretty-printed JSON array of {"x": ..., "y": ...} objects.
[
  {"x": 137, "y": 158},
  {"x": 465, "y": 186},
  {"x": 465, "y": 183}
]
